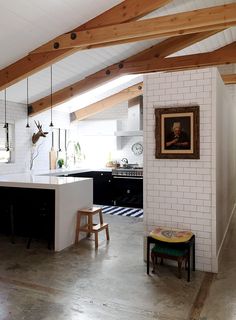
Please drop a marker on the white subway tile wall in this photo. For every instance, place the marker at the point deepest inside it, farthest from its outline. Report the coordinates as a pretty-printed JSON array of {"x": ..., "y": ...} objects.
[
  {"x": 16, "y": 114},
  {"x": 60, "y": 120},
  {"x": 119, "y": 112},
  {"x": 180, "y": 193}
]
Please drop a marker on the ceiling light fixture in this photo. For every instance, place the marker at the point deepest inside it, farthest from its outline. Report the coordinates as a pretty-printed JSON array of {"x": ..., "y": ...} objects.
[
  {"x": 27, "y": 102},
  {"x": 51, "y": 123},
  {"x": 5, "y": 111}
]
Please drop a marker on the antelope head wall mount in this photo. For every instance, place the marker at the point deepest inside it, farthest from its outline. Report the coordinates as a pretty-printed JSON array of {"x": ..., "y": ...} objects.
[{"x": 39, "y": 134}]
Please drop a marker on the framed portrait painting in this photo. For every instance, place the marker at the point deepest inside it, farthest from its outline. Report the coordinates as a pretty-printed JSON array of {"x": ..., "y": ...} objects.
[{"x": 177, "y": 133}]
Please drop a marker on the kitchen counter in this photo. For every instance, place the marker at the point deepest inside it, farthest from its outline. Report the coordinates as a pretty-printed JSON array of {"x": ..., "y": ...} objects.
[
  {"x": 27, "y": 180},
  {"x": 65, "y": 171},
  {"x": 69, "y": 195}
]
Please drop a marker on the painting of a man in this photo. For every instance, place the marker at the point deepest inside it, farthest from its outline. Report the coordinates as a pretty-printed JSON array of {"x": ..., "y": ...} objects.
[{"x": 177, "y": 139}]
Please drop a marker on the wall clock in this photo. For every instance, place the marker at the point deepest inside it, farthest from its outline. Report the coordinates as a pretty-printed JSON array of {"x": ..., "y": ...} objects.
[{"x": 137, "y": 148}]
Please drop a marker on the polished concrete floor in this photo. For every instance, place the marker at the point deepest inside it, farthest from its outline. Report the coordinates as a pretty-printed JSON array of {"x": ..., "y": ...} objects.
[
  {"x": 221, "y": 301},
  {"x": 80, "y": 283}
]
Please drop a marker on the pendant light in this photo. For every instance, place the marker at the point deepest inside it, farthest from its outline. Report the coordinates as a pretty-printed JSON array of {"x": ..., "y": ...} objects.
[
  {"x": 27, "y": 102},
  {"x": 6, "y": 124},
  {"x": 5, "y": 111},
  {"x": 51, "y": 123}
]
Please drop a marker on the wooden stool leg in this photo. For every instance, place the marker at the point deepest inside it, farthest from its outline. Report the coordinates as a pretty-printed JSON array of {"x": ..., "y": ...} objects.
[
  {"x": 90, "y": 225},
  {"x": 107, "y": 233},
  {"x": 179, "y": 267},
  {"x": 96, "y": 240},
  {"x": 77, "y": 227},
  {"x": 12, "y": 224},
  {"x": 101, "y": 217},
  {"x": 153, "y": 256},
  {"x": 186, "y": 263}
]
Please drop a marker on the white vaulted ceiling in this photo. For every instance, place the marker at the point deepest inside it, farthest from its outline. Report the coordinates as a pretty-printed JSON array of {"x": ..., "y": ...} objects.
[
  {"x": 72, "y": 69},
  {"x": 26, "y": 24}
]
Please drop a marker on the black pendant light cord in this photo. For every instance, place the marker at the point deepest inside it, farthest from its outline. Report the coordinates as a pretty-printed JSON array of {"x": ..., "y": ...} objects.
[
  {"x": 27, "y": 102},
  {"x": 5, "y": 98},
  {"x": 51, "y": 124}
]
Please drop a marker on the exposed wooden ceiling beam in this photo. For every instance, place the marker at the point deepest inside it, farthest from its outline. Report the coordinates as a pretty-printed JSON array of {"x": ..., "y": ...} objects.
[
  {"x": 124, "y": 12},
  {"x": 127, "y": 10},
  {"x": 218, "y": 27},
  {"x": 229, "y": 78},
  {"x": 171, "y": 45},
  {"x": 122, "y": 96},
  {"x": 172, "y": 25},
  {"x": 225, "y": 55},
  {"x": 161, "y": 50},
  {"x": 113, "y": 100}
]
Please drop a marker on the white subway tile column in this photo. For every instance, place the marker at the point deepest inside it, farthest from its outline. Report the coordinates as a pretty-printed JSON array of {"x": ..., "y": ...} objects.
[{"x": 180, "y": 193}]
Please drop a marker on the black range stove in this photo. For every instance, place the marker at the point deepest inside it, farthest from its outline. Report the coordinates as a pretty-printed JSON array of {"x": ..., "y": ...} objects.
[
  {"x": 134, "y": 172},
  {"x": 128, "y": 187}
]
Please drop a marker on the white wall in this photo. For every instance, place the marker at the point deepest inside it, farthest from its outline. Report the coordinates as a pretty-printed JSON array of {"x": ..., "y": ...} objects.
[
  {"x": 60, "y": 120},
  {"x": 198, "y": 195},
  {"x": 180, "y": 193},
  {"x": 225, "y": 159},
  {"x": 97, "y": 140},
  {"x": 16, "y": 114},
  {"x": 117, "y": 112},
  {"x": 96, "y": 135},
  {"x": 125, "y": 150},
  {"x": 230, "y": 88},
  {"x": 98, "y": 144}
]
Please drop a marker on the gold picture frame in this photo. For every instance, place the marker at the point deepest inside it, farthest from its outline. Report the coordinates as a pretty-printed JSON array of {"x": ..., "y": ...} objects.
[{"x": 177, "y": 133}]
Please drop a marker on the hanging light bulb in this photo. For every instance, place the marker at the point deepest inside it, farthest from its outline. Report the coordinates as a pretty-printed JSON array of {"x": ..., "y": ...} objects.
[
  {"x": 51, "y": 123},
  {"x": 27, "y": 102},
  {"x": 5, "y": 98},
  {"x": 6, "y": 124}
]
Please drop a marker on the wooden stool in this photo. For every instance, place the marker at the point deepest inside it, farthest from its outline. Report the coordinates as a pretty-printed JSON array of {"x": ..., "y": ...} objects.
[
  {"x": 173, "y": 244},
  {"x": 90, "y": 227},
  {"x": 166, "y": 251}
]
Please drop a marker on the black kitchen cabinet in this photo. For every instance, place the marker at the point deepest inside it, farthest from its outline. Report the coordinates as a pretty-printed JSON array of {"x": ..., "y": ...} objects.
[
  {"x": 102, "y": 186},
  {"x": 115, "y": 190},
  {"x": 28, "y": 212}
]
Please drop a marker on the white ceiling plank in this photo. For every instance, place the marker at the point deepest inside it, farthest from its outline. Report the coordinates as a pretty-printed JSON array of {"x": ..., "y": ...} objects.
[{"x": 30, "y": 23}]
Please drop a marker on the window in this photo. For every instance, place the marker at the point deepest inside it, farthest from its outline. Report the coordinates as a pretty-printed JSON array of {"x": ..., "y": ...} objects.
[{"x": 6, "y": 142}]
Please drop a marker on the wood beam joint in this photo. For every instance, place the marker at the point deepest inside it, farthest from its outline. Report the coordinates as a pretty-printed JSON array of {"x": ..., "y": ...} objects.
[{"x": 229, "y": 78}]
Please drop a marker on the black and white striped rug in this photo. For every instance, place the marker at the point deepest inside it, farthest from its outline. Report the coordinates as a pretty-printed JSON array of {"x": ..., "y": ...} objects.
[{"x": 120, "y": 211}]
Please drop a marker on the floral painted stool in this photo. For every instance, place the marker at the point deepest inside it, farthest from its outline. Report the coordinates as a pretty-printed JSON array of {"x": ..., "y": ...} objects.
[{"x": 171, "y": 244}]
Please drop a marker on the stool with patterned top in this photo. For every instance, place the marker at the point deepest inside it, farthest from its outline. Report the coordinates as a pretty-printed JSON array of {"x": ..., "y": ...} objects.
[{"x": 172, "y": 244}]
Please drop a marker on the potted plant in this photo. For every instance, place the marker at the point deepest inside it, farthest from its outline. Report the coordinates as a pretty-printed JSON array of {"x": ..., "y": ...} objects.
[{"x": 60, "y": 162}]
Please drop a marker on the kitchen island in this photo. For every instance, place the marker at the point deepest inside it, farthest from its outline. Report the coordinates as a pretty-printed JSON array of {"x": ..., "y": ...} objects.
[{"x": 66, "y": 195}]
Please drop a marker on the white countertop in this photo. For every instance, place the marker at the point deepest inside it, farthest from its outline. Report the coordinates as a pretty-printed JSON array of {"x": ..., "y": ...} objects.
[
  {"x": 64, "y": 171},
  {"x": 27, "y": 180},
  {"x": 49, "y": 179}
]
